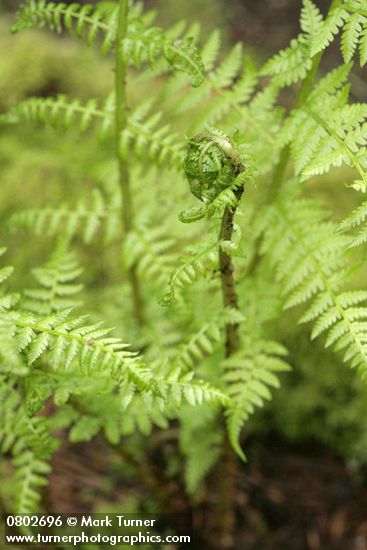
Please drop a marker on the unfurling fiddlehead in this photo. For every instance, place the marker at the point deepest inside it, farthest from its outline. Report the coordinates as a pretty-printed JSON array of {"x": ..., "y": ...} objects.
[
  {"x": 216, "y": 174},
  {"x": 211, "y": 165}
]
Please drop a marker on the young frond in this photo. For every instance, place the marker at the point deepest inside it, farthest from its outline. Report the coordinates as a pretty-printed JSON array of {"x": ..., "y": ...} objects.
[
  {"x": 226, "y": 199},
  {"x": 249, "y": 375}
]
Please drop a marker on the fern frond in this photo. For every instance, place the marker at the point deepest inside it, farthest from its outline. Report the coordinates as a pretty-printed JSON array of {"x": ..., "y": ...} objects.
[
  {"x": 57, "y": 287},
  {"x": 182, "y": 55},
  {"x": 87, "y": 217},
  {"x": 210, "y": 50},
  {"x": 342, "y": 140},
  {"x": 225, "y": 89},
  {"x": 329, "y": 28},
  {"x": 203, "y": 342},
  {"x": 311, "y": 260},
  {"x": 351, "y": 35},
  {"x": 328, "y": 131},
  {"x": 86, "y": 22},
  {"x": 201, "y": 264},
  {"x": 148, "y": 139},
  {"x": 30, "y": 442},
  {"x": 62, "y": 112},
  {"x": 357, "y": 218},
  {"x": 29, "y": 478},
  {"x": 311, "y": 18},
  {"x": 143, "y": 134},
  {"x": 150, "y": 250},
  {"x": 248, "y": 376},
  {"x": 201, "y": 438},
  {"x": 225, "y": 199},
  {"x": 229, "y": 69},
  {"x": 290, "y": 65},
  {"x": 363, "y": 45}
]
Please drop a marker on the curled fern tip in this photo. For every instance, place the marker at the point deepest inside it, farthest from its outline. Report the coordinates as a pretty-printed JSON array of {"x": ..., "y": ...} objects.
[{"x": 211, "y": 164}]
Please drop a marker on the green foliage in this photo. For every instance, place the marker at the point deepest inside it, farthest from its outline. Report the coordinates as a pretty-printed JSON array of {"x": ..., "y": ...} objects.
[{"x": 210, "y": 358}]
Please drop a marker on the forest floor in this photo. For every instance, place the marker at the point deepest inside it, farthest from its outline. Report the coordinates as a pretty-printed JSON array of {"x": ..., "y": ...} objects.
[
  {"x": 288, "y": 498},
  {"x": 301, "y": 499}
]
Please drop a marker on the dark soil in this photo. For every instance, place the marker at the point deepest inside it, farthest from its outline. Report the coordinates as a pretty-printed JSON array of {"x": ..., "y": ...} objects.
[{"x": 287, "y": 498}]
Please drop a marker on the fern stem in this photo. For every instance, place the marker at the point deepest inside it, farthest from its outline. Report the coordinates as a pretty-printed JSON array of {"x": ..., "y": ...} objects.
[
  {"x": 226, "y": 267},
  {"x": 121, "y": 120},
  {"x": 225, "y": 515}
]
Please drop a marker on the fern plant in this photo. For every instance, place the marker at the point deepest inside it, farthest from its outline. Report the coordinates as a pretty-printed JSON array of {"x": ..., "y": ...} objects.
[{"x": 202, "y": 285}]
